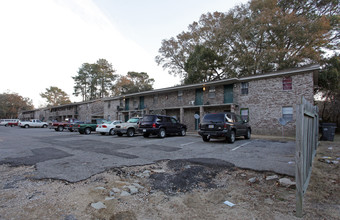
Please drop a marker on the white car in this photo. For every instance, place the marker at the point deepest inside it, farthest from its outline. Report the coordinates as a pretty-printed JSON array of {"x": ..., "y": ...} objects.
[
  {"x": 107, "y": 128},
  {"x": 34, "y": 123}
]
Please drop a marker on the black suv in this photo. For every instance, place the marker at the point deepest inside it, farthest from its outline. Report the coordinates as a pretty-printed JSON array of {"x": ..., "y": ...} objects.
[
  {"x": 223, "y": 125},
  {"x": 161, "y": 125}
]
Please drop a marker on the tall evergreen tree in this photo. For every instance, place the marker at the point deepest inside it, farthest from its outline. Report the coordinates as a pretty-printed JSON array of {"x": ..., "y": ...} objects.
[{"x": 94, "y": 80}]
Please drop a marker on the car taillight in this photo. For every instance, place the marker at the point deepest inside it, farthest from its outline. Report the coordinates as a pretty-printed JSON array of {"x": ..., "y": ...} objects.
[
  {"x": 104, "y": 126},
  {"x": 225, "y": 126},
  {"x": 97, "y": 126},
  {"x": 154, "y": 125},
  {"x": 199, "y": 126},
  {"x": 78, "y": 126}
]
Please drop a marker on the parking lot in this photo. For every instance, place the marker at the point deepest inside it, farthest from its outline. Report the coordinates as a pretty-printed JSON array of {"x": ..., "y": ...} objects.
[{"x": 73, "y": 157}]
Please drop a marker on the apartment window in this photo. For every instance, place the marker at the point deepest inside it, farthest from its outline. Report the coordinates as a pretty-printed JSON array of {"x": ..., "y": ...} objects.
[
  {"x": 135, "y": 103},
  {"x": 287, "y": 83},
  {"x": 180, "y": 95},
  {"x": 155, "y": 99},
  {"x": 287, "y": 113},
  {"x": 109, "y": 105},
  {"x": 244, "y": 88},
  {"x": 212, "y": 93},
  {"x": 245, "y": 114}
]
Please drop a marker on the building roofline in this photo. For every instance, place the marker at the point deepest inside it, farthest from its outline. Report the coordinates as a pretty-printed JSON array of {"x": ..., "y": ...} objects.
[
  {"x": 291, "y": 71},
  {"x": 312, "y": 67},
  {"x": 63, "y": 106}
]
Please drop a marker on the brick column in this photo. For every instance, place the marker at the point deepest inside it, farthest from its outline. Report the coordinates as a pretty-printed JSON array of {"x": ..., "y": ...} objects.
[
  {"x": 181, "y": 115},
  {"x": 201, "y": 112}
]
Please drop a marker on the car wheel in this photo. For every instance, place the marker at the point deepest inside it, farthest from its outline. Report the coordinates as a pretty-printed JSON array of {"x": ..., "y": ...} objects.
[
  {"x": 231, "y": 138},
  {"x": 206, "y": 138},
  {"x": 60, "y": 128},
  {"x": 56, "y": 129},
  {"x": 130, "y": 132},
  {"x": 183, "y": 132},
  {"x": 146, "y": 135},
  {"x": 44, "y": 126},
  {"x": 12, "y": 125},
  {"x": 102, "y": 133},
  {"x": 6, "y": 125},
  {"x": 161, "y": 133},
  {"x": 248, "y": 135},
  {"x": 27, "y": 126},
  {"x": 87, "y": 131},
  {"x": 119, "y": 134},
  {"x": 111, "y": 132}
]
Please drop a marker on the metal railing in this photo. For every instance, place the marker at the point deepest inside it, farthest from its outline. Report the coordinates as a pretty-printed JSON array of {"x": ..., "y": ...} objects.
[{"x": 307, "y": 132}]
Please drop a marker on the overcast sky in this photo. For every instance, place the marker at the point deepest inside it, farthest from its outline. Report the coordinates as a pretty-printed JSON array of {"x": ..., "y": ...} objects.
[{"x": 44, "y": 42}]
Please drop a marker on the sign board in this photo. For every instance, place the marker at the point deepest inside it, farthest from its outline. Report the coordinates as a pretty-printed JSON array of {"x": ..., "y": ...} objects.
[
  {"x": 197, "y": 116},
  {"x": 282, "y": 121}
]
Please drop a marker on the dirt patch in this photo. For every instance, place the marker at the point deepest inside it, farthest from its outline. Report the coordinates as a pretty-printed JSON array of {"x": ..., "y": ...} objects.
[
  {"x": 180, "y": 189},
  {"x": 186, "y": 175}
]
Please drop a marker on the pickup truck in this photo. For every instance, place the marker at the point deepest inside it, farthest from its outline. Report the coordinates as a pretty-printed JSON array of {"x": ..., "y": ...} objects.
[
  {"x": 60, "y": 126},
  {"x": 73, "y": 126},
  {"x": 129, "y": 128},
  {"x": 13, "y": 123},
  {"x": 87, "y": 128},
  {"x": 34, "y": 123}
]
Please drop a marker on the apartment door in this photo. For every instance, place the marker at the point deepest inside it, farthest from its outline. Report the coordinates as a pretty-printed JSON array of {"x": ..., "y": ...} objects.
[
  {"x": 228, "y": 93},
  {"x": 199, "y": 97}
]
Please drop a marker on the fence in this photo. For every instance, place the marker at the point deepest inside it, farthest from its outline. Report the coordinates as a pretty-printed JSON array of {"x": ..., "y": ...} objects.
[{"x": 307, "y": 132}]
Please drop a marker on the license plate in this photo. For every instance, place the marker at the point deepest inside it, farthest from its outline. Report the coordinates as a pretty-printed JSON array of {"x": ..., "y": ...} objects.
[
  {"x": 210, "y": 126},
  {"x": 144, "y": 130}
]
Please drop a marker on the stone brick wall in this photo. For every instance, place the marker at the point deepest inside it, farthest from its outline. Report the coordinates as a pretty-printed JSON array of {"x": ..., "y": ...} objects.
[
  {"x": 266, "y": 98},
  {"x": 88, "y": 111},
  {"x": 110, "y": 109}
]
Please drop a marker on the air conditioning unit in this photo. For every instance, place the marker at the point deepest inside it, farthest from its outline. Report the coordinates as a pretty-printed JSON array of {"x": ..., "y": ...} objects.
[{"x": 191, "y": 102}]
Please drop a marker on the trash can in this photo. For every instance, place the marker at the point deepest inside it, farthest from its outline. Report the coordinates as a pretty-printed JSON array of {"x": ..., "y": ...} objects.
[{"x": 327, "y": 131}]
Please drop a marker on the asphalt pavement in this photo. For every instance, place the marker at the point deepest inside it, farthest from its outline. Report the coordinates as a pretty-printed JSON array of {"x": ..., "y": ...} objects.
[{"x": 74, "y": 157}]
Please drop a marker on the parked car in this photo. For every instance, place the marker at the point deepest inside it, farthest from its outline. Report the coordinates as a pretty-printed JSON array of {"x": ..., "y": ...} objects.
[
  {"x": 130, "y": 128},
  {"x": 9, "y": 122},
  {"x": 107, "y": 128},
  {"x": 60, "y": 126},
  {"x": 34, "y": 123},
  {"x": 223, "y": 125},
  {"x": 87, "y": 128},
  {"x": 161, "y": 125}
]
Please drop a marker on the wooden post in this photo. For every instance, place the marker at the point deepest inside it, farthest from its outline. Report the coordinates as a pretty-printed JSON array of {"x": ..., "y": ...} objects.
[{"x": 298, "y": 161}]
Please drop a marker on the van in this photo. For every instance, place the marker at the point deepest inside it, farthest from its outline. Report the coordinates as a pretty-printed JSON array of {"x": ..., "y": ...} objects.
[{"x": 9, "y": 122}]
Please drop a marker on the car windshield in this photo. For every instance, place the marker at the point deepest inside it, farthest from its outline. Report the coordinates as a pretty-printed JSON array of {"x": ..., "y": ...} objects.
[
  {"x": 133, "y": 120},
  {"x": 213, "y": 118},
  {"x": 148, "y": 118}
]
